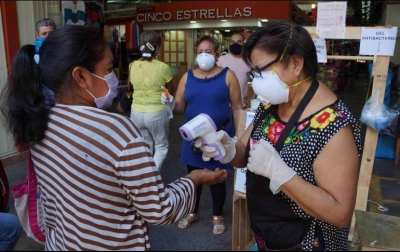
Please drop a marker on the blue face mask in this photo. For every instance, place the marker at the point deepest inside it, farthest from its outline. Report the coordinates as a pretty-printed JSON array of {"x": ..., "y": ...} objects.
[
  {"x": 112, "y": 82},
  {"x": 38, "y": 43}
]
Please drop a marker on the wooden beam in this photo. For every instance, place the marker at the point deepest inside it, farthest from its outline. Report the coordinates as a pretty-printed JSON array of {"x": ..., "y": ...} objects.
[
  {"x": 351, "y": 32},
  {"x": 379, "y": 71},
  {"x": 343, "y": 57}
]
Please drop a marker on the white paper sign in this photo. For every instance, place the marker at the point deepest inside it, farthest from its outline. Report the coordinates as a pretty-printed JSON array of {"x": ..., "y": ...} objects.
[
  {"x": 331, "y": 19},
  {"x": 378, "y": 41},
  {"x": 320, "y": 45},
  {"x": 240, "y": 180},
  {"x": 249, "y": 118}
]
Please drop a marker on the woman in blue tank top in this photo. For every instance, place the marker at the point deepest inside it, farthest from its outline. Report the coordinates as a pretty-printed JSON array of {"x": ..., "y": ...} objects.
[{"x": 214, "y": 91}]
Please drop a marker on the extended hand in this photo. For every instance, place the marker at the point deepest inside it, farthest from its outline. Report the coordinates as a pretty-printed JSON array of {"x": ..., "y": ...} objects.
[
  {"x": 169, "y": 101},
  {"x": 208, "y": 177},
  {"x": 210, "y": 152},
  {"x": 264, "y": 160}
]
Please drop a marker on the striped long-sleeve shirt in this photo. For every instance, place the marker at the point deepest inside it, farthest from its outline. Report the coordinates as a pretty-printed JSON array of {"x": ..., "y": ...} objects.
[{"x": 99, "y": 184}]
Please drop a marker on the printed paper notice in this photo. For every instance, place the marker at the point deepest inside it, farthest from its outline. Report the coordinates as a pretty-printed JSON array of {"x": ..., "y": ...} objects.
[
  {"x": 320, "y": 46},
  {"x": 240, "y": 179},
  {"x": 378, "y": 41},
  {"x": 249, "y": 118},
  {"x": 331, "y": 19}
]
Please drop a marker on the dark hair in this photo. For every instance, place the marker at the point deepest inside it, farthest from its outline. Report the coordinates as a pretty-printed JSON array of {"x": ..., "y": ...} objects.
[
  {"x": 154, "y": 39},
  {"x": 24, "y": 98},
  {"x": 44, "y": 22},
  {"x": 208, "y": 38},
  {"x": 275, "y": 36},
  {"x": 238, "y": 33}
]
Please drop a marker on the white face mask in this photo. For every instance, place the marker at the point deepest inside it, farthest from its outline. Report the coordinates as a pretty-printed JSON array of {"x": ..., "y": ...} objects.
[
  {"x": 270, "y": 89},
  {"x": 112, "y": 82},
  {"x": 205, "y": 61}
]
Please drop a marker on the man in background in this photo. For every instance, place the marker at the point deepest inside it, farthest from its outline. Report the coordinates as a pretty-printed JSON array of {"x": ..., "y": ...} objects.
[
  {"x": 44, "y": 27},
  {"x": 234, "y": 61}
]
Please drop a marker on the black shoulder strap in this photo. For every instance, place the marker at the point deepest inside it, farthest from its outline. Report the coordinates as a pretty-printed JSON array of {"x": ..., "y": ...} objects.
[
  {"x": 296, "y": 115},
  {"x": 292, "y": 121}
]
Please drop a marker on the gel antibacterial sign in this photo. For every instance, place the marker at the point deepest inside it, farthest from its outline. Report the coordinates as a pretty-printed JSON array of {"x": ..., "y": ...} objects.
[{"x": 378, "y": 41}]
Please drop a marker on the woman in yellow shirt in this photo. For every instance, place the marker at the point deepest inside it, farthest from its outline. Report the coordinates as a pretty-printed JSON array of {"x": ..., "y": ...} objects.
[{"x": 148, "y": 76}]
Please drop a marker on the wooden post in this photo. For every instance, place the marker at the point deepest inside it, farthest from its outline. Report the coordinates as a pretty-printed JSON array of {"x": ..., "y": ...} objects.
[
  {"x": 379, "y": 72},
  {"x": 242, "y": 239}
]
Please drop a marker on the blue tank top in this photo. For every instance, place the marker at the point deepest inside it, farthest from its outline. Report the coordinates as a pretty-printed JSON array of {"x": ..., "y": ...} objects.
[{"x": 209, "y": 96}]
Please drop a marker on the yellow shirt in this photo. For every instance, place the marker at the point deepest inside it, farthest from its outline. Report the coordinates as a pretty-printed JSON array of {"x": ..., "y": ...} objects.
[{"x": 147, "y": 77}]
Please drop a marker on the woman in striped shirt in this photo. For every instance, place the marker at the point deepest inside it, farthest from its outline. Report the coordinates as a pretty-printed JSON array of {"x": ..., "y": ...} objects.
[{"x": 98, "y": 181}]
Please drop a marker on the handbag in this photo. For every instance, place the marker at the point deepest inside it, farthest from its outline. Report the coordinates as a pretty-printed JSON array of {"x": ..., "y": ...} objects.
[
  {"x": 29, "y": 207},
  {"x": 4, "y": 188}
]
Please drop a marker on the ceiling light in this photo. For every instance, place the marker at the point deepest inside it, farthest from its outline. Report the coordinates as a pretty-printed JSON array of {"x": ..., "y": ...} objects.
[
  {"x": 227, "y": 30},
  {"x": 193, "y": 22},
  {"x": 223, "y": 20},
  {"x": 264, "y": 20}
]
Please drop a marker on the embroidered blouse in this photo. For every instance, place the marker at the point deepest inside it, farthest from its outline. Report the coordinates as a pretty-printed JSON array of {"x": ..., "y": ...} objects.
[{"x": 277, "y": 218}]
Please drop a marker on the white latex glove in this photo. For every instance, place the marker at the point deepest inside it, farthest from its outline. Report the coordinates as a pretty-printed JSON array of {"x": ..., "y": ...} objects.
[
  {"x": 170, "y": 102},
  {"x": 264, "y": 160},
  {"x": 228, "y": 143}
]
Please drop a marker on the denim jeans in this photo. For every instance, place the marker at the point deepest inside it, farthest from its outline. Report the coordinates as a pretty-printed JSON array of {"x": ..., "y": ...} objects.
[{"x": 10, "y": 228}]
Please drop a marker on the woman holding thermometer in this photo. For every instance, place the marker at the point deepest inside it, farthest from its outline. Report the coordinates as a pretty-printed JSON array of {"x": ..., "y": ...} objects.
[{"x": 301, "y": 150}]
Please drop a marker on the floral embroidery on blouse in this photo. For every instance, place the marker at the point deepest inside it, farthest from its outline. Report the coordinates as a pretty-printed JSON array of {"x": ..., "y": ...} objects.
[{"x": 273, "y": 127}]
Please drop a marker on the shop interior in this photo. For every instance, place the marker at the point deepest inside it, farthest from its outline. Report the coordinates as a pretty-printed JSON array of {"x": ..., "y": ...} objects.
[
  {"x": 176, "y": 50},
  {"x": 123, "y": 36}
]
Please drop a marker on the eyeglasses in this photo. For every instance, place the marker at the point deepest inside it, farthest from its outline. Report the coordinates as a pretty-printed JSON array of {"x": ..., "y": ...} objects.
[{"x": 256, "y": 73}]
